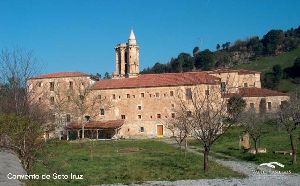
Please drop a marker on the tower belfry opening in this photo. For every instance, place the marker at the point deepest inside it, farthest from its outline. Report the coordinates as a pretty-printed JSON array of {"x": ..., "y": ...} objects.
[{"x": 127, "y": 59}]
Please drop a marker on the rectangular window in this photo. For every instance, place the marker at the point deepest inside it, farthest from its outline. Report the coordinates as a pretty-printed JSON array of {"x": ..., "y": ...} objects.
[
  {"x": 40, "y": 99},
  {"x": 52, "y": 118},
  {"x": 142, "y": 95},
  {"x": 70, "y": 85},
  {"x": 128, "y": 95},
  {"x": 206, "y": 92},
  {"x": 40, "y": 84},
  {"x": 245, "y": 84},
  {"x": 172, "y": 105},
  {"x": 171, "y": 93},
  {"x": 52, "y": 100},
  {"x": 114, "y": 96},
  {"x": 68, "y": 117},
  {"x": 173, "y": 115},
  {"x": 158, "y": 116},
  {"x": 142, "y": 129},
  {"x": 139, "y": 116},
  {"x": 189, "y": 113},
  {"x": 269, "y": 105},
  {"x": 102, "y": 111},
  {"x": 99, "y": 96},
  {"x": 188, "y": 93},
  {"x": 157, "y": 94},
  {"x": 69, "y": 98},
  {"x": 123, "y": 116},
  {"x": 87, "y": 118},
  {"x": 252, "y": 105},
  {"x": 51, "y": 86},
  {"x": 223, "y": 86},
  {"x": 81, "y": 97},
  {"x": 140, "y": 107}
]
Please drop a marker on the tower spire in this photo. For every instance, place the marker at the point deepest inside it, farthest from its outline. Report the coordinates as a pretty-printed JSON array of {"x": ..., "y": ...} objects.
[{"x": 131, "y": 39}]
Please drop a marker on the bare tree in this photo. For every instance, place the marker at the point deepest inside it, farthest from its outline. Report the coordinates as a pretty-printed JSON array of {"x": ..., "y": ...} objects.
[
  {"x": 179, "y": 127},
  {"x": 205, "y": 110},
  {"x": 253, "y": 124},
  {"x": 16, "y": 66},
  {"x": 59, "y": 105},
  {"x": 22, "y": 120},
  {"x": 84, "y": 102},
  {"x": 288, "y": 116}
]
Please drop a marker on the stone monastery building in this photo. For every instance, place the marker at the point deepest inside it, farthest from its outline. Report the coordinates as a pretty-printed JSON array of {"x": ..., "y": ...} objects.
[{"x": 133, "y": 105}]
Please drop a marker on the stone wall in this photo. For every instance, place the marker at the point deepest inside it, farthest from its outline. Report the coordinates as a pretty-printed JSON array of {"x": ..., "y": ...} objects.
[
  {"x": 234, "y": 80},
  {"x": 146, "y": 107},
  {"x": 274, "y": 100}
]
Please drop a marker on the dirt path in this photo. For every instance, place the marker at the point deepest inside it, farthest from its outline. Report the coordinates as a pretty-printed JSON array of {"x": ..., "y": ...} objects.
[
  {"x": 256, "y": 175},
  {"x": 9, "y": 163}
]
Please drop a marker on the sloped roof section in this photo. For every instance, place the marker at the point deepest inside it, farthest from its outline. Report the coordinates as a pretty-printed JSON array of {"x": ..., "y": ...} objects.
[
  {"x": 158, "y": 80},
  {"x": 239, "y": 71},
  {"x": 110, "y": 124},
  {"x": 60, "y": 75},
  {"x": 255, "y": 92}
]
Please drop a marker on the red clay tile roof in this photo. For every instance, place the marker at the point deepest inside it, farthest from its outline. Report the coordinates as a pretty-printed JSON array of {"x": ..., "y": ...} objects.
[
  {"x": 60, "y": 75},
  {"x": 239, "y": 71},
  {"x": 110, "y": 124},
  {"x": 255, "y": 92},
  {"x": 158, "y": 80}
]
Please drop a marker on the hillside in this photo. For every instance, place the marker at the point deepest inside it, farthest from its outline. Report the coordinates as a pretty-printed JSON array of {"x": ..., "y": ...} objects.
[
  {"x": 276, "y": 47},
  {"x": 265, "y": 64}
]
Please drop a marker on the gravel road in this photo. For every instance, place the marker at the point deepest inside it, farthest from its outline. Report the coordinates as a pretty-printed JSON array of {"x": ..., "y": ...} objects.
[{"x": 9, "y": 163}]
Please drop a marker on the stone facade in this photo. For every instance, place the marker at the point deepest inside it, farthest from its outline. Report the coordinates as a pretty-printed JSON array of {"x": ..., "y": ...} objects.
[
  {"x": 235, "y": 79},
  {"x": 272, "y": 102},
  {"x": 59, "y": 95},
  {"x": 143, "y": 102},
  {"x": 146, "y": 108}
]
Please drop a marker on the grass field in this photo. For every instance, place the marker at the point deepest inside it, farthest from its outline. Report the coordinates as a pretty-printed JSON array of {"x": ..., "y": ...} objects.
[
  {"x": 121, "y": 162},
  {"x": 272, "y": 139},
  {"x": 265, "y": 64}
]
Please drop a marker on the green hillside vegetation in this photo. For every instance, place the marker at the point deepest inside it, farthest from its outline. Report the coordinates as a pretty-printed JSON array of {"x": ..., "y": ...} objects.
[{"x": 265, "y": 64}]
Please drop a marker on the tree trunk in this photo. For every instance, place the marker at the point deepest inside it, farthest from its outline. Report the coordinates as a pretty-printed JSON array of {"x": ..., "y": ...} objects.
[
  {"x": 180, "y": 149},
  {"x": 255, "y": 147},
  {"x": 206, "y": 151},
  {"x": 185, "y": 147},
  {"x": 294, "y": 153},
  {"x": 82, "y": 135}
]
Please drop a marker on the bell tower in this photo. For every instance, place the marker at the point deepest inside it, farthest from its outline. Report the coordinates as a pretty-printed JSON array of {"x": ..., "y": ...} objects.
[{"x": 127, "y": 59}]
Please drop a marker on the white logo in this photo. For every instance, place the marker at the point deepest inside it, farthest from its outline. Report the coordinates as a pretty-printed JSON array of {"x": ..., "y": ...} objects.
[{"x": 272, "y": 164}]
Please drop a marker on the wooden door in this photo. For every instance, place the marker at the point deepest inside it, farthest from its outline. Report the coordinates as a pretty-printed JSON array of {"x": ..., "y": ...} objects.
[{"x": 160, "y": 130}]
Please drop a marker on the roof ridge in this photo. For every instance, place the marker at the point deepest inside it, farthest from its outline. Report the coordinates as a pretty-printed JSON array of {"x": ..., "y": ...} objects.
[
  {"x": 204, "y": 72},
  {"x": 60, "y": 74}
]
